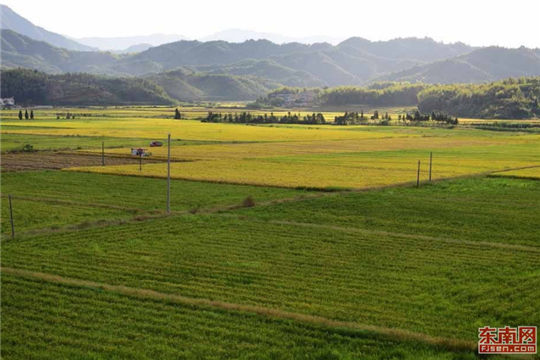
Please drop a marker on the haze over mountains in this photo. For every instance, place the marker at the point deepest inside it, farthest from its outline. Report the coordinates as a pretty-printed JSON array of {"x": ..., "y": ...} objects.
[
  {"x": 191, "y": 70},
  {"x": 9, "y": 19}
]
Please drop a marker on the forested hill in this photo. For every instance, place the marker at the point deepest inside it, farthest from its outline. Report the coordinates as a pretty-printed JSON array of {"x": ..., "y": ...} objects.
[
  {"x": 39, "y": 88},
  {"x": 513, "y": 98}
]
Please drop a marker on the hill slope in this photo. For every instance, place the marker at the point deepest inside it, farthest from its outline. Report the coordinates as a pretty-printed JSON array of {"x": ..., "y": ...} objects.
[
  {"x": 21, "y": 51},
  {"x": 486, "y": 64},
  {"x": 33, "y": 87},
  {"x": 10, "y": 20}
]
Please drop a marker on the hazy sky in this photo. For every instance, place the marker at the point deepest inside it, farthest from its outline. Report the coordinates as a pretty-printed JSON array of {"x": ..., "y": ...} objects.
[{"x": 477, "y": 22}]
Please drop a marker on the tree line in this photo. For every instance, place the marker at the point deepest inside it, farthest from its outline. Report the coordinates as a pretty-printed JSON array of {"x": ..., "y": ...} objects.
[
  {"x": 249, "y": 118},
  {"x": 26, "y": 115}
]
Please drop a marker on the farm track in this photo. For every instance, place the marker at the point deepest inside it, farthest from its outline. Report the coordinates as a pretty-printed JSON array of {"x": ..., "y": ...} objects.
[{"x": 399, "y": 334}]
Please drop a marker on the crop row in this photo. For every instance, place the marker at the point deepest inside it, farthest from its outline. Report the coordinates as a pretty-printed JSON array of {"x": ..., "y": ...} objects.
[
  {"x": 434, "y": 287},
  {"x": 47, "y": 320},
  {"x": 477, "y": 209}
]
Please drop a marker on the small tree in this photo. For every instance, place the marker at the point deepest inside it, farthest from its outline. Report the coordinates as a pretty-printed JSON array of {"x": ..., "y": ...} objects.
[
  {"x": 32, "y": 114},
  {"x": 177, "y": 114},
  {"x": 26, "y": 114},
  {"x": 20, "y": 114}
]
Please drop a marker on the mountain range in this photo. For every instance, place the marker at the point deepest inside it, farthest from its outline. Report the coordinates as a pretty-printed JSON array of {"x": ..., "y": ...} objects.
[
  {"x": 10, "y": 20},
  {"x": 191, "y": 69}
]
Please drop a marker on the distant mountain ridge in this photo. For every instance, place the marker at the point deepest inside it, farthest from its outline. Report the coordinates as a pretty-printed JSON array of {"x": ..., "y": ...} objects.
[
  {"x": 10, "y": 20},
  {"x": 241, "y": 35},
  {"x": 124, "y": 42},
  {"x": 355, "y": 61},
  {"x": 194, "y": 70},
  {"x": 482, "y": 65}
]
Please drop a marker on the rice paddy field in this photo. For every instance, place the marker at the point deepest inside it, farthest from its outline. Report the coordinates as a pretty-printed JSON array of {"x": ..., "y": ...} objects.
[{"x": 282, "y": 241}]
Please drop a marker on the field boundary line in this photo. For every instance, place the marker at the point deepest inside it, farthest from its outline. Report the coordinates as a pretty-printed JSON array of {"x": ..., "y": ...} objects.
[
  {"x": 395, "y": 333},
  {"x": 71, "y": 202},
  {"x": 517, "y": 168},
  {"x": 409, "y": 236}
]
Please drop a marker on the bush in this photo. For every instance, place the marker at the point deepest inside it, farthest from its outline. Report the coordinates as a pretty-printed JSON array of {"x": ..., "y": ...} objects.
[
  {"x": 28, "y": 148},
  {"x": 248, "y": 202}
]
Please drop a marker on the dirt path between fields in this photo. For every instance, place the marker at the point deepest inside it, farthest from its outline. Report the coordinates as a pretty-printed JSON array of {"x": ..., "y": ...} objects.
[
  {"x": 394, "y": 333},
  {"x": 40, "y": 160}
]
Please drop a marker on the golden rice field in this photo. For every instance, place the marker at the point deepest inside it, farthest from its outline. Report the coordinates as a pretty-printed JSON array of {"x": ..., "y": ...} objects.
[
  {"x": 360, "y": 169},
  {"x": 186, "y": 130},
  {"x": 313, "y": 156}
]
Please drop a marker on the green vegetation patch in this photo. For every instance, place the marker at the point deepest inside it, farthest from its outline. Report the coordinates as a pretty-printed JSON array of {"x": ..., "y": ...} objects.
[
  {"x": 51, "y": 321},
  {"x": 432, "y": 286},
  {"x": 478, "y": 209},
  {"x": 85, "y": 197}
]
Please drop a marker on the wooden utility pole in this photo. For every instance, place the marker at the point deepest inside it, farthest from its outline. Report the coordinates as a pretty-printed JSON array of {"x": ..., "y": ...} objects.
[
  {"x": 169, "y": 173},
  {"x": 103, "y": 153},
  {"x": 430, "y": 162},
  {"x": 418, "y": 175},
  {"x": 11, "y": 218}
]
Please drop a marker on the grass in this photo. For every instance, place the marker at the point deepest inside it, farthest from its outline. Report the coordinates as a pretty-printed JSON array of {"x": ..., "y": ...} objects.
[
  {"x": 16, "y": 142},
  {"x": 494, "y": 210},
  {"x": 52, "y": 199},
  {"x": 49, "y": 320},
  {"x": 417, "y": 283}
]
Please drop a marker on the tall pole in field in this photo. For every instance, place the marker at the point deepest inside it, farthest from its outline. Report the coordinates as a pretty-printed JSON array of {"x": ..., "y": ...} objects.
[
  {"x": 418, "y": 175},
  {"x": 169, "y": 173},
  {"x": 140, "y": 162},
  {"x": 11, "y": 218},
  {"x": 430, "y": 162},
  {"x": 103, "y": 153}
]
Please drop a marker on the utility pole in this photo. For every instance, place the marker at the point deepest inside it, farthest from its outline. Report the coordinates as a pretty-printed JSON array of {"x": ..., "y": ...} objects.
[
  {"x": 430, "y": 161},
  {"x": 169, "y": 174},
  {"x": 103, "y": 153},
  {"x": 418, "y": 175},
  {"x": 11, "y": 218}
]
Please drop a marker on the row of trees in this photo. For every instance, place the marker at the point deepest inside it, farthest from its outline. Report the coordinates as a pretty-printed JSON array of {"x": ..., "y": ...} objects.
[
  {"x": 434, "y": 116},
  {"x": 352, "y": 118},
  {"x": 26, "y": 115},
  {"x": 249, "y": 118},
  {"x": 355, "y": 117}
]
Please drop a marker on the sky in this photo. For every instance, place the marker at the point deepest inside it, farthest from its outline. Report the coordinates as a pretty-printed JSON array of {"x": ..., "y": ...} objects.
[{"x": 474, "y": 22}]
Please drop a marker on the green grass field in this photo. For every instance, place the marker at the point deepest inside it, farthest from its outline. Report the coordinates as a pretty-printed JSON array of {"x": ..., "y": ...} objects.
[
  {"x": 54, "y": 199},
  {"x": 48, "y": 320}
]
